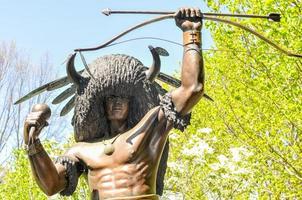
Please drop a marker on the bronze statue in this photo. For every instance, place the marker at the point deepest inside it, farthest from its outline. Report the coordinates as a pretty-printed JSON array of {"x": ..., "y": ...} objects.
[
  {"x": 123, "y": 120},
  {"x": 121, "y": 117}
]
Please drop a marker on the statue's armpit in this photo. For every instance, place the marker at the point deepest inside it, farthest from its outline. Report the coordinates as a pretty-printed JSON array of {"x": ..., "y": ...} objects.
[{"x": 144, "y": 127}]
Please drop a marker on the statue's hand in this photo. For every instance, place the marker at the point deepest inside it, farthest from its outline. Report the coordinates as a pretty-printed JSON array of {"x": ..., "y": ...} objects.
[
  {"x": 37, "y": 120},
  {"x": 188, "y": 19}
]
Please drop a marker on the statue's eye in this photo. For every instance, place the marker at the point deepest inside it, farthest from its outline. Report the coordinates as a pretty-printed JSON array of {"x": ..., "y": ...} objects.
[
  {"x": 117, "y": 98},
  {"x": 111, "y": 98}
]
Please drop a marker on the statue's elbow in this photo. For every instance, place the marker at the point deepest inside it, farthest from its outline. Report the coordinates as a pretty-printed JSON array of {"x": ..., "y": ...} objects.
[
  {"x": 191, "y": 92},
  {"x": 196, "y": 89},
  {"x": 51, "y": 190}
]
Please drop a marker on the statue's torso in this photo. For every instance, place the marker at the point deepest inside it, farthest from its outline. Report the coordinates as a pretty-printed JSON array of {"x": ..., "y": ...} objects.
[{"x": 131, "y": 169}]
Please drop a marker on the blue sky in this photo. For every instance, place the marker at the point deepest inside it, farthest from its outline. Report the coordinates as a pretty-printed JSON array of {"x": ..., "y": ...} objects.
[{"x": 58, "y": 27}]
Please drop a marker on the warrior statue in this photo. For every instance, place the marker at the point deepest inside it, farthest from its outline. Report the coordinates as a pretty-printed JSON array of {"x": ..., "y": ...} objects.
[{"x": 121, "y": 122}]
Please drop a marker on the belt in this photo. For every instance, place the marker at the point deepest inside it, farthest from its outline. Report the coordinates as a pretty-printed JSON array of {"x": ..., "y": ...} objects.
[{"x": 139, "y": 197}]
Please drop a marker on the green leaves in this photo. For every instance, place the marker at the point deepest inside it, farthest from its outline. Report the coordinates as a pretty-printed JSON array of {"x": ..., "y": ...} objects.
[
  {"x": 257, "y": 110},
  {"x": 18, "y": 182}
]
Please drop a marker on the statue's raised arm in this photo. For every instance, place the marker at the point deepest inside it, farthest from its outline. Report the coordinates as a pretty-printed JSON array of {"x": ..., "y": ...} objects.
[
  {"x": 192, "y": 72},
  {"x": 178, "y": 104}
]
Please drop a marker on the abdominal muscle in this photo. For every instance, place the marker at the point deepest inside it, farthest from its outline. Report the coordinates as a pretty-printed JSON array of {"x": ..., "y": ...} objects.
[{"x": 121, "y": 181}]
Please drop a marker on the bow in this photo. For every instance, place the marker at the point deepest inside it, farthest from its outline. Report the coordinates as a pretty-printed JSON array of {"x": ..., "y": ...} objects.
[
  {"x": 205, "y": 16},
  {"x": 163, "y": 77}
]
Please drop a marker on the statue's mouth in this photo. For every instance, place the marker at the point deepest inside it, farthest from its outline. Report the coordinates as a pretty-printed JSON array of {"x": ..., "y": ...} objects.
[{"x": 117, "y": 108}]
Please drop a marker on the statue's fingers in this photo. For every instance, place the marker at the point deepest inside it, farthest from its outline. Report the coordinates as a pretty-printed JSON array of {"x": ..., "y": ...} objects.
[
  {"x": 37, "y": 116},
  {"x": 182, "y": 12},
  {"x": 32, "y": 123},
  {"x": 178, "y": 13},
  {"x": 34, "y": 118},
  {"x": 198, "y": 12},
  {"x": 39, "y": 129},
  {"x": 34, "y": 115},
  {"x": 192, "y": 12},
  {"x": 188, "y": 11}
]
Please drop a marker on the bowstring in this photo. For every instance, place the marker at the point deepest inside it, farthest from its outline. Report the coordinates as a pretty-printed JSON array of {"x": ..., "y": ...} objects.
[
  {"x": 172, "y": 42},
  {"x": 153, "y": 38}
]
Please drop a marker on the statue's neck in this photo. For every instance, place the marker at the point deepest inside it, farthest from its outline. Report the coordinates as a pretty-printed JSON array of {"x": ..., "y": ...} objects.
[{"x": 117, "y": 127}]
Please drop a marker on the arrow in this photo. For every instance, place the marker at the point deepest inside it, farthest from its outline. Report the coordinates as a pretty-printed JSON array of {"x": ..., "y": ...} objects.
[{"x": 272, "y": 16}]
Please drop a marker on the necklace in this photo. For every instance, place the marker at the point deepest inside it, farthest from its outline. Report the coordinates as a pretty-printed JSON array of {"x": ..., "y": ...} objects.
[{"x": 109, "y": 148}]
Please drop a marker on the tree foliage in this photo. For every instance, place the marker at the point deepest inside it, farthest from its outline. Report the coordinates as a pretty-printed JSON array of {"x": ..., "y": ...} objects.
[
  {"x": 253, "y": 146},
  {"x": 18, "y": 182},
  {"x": 19, "y": 75}
]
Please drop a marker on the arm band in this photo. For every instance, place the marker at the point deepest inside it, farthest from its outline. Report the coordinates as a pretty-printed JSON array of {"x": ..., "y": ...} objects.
[
  {"x": 192, "y": 37},
  {"x": 180, "y": 122},
  {"x": 72, "y": 169},
  {"x": 34, "y": 148}
]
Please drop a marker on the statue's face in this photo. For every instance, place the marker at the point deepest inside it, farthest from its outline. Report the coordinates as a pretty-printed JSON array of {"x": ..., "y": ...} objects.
[{"x": 117, "y": 108}]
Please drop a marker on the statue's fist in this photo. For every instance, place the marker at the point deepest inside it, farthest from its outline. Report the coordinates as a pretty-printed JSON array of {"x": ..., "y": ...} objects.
[
  {"x": 188, "y": 19},
  {"x": 37, "y": 119}
]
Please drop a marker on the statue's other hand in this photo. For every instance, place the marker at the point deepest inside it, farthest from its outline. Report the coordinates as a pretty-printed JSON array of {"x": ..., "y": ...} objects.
[
  {"x": 188, "y": 19},
  {"x": 34, "y": 119}
]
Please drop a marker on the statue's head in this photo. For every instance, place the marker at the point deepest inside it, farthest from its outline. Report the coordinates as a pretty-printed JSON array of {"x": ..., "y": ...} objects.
[
  {"x": 117, "y": 80},
  {"x": 117, "y": 108}
]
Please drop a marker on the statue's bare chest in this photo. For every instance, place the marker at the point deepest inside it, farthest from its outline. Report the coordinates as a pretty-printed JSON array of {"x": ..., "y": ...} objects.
[
  {"x": 131, "y": 146},
  {"x": 106, "y": 154}
]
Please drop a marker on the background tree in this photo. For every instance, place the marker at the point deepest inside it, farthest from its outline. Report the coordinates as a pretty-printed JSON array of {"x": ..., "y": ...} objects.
[
  {"x": 18, "y": 183},
  {"x": 18, "y": 76},
  {"x": 253, "y": 146}
]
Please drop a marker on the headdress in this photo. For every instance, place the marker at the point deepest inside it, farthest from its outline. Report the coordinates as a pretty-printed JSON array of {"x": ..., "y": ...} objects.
[{"x": 118, "y": 75}]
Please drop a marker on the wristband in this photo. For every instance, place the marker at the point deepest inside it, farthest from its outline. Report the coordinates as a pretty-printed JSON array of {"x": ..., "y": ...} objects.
[
  {"x": 192, "y": 37},
  {"x": 34, "y": 148}
]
